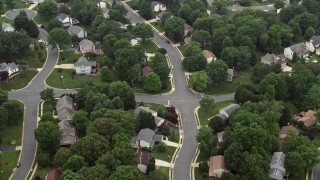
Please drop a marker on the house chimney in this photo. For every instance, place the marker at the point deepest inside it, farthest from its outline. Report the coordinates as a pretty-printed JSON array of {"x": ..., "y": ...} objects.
[
  {"x": 70, "y": 21},
  {"x": 139, "y": 146}
]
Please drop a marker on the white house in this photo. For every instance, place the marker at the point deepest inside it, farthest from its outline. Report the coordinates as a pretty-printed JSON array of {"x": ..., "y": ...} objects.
[
  {"x": 208, "y": 55},
  {"x": 134, "y": 42},
  {"x": 314, "y": 44},
  {"x": 220, "y": 136},
  {"x": 143, "y": 159},
  {"x": 6, "y": 27},
  {"x": 86, "y": 46},
  {"x": 10, "y": 68},
  {"x": 66, "y": 19},
  {"x": 146, "y": 138},
  {"x": 230, "y": 74},
  {"x": 227, "y": 111},
  {"x": 159, "y": 16},
  {"x": 83, "y": 66},
  {"x": 300, "y": 49},
  {"x": 216, "y": 166},
  {"x": 157, "y": 6},
  {"x": 122, "y": 26},
  {"x": 77, "y": 31},
  {"x": 277, "y": 170}
]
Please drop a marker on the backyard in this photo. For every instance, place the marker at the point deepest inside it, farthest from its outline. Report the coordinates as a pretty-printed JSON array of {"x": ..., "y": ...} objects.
[
  {"x": 8, "y": 161},
  {"x": 21, "y": 80},
  {"x": 69, "y": 80},
  {"x": 165, "y": 156}
]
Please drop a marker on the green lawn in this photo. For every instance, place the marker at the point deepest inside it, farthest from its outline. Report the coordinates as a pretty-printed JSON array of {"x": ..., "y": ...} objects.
[
  {"x": 17, "y": 5},
  {"x": 37, "y": 58},
  {"x": 174, "y": 137},
  {"x": 197, "y": 174},
  {"x": 54, "y": 80},
  {"x": 205, "y": 115},
  {"x": 157, "y": 26},
  {"x": 153, "y": 106},
  {"x": 182, "y": 49},
  {"x": 47, "y": 107},
  {"x": 149, "y": 46},
  {"x": 166, "y": 156},
  {"x": 12, "y": 133},
  {"x": 39, "y": 19},
  {"x": 164, "y": 170},
  {"x": 4, "y": 19},
  {"x": 68, "y": 57},
  {"x": 139, "y": 89},
  {"x": 8, "y": 161},
  {"x": 42, "y": 172},
  {"x": 21, "y": 80},
  {"x": 230, "y": 87}
]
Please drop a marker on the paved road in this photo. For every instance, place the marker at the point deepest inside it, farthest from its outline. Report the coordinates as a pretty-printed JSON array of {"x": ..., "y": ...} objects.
[
  {"x": 234, "y": 9},
  {"x": 316, "y": 172}
]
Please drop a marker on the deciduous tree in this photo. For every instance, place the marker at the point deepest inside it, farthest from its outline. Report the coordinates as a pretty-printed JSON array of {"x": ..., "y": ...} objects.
[
  {"x": 48, "y": 9},
  {"x": 48, "y": 142},
  {"x": 146, "y": 120},
  {"x": 152, "y": 83},
  {"x": 217, "y": 71},
  {"x": 74, "y": 163},
  {"x": 207, "y": 103},
  {"x": 61, "y": 37},
  {"x": 199, "y": 81}
]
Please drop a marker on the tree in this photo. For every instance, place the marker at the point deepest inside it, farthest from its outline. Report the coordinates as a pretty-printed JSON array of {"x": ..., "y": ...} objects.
[
  {"x": 47, "y": 95},
  {"x": 217, "y": 124},
  {"x": 47, "y": 116},
  {"x": 295, "y": 164},
  {"x": 54, "y": 23},
  {"x": 85, "y": 11},
  {"x": 146, "y": 120},
  {"x": 105, "y": 74},
  {"x": 164, "y": 18},
  {"x": 259, "y": 71},
  {"x": 309, "y": 32},
  {"x": 48, "y": 9},
  {"x": 10, "y": 4},
  {"x": 48, "y": 142},
  {"x": 157, "y": 175},
  {"x": 288, "y": 13},
  {"x": 221, "y": 5},
  {"x": 69, "y": 175},
  {"x": 245, "y": 2},
  {"x": 4, "y": 115},
  {"x": 61, "y": 156},
  {"x": 126, "y": 173},
  {"x": 199, "y": 81},
  {"x": 217, "y": 71},
  {"x": 123, "y": 90},
  {"x": 205, "y": 138},
  {"x": 14, "y": 111},
  {"x": 151, "y": 166},
  {"x": 278, "y": 4},
  {"x": 60, "y": 36},
  {"x": 307, "y": 20},
  {"x": 14, "y": 45},
  {"x": 74, "y": 163},
  {"x": 3, "y": 96},
  {"x": 32, "y": 29},
  {"x": 145, "y": 10},
  {"x": 143, "y": 30},
  {"x": 21, "y": 21},
  {"x": 152, "y": 83},
  {"x": 99, "y": 171},
  {"x": 80, "y": 120},
  {"x": 207, "y": 103},
  {"x": 43, "y": 159},
  {"x": 312, "y": 99},
  {"x": 174, "y": 28},
  {"x": 160, "y": 66},
  {"x": 201, "y": 36},
  {"x": 117, "y": 103}
]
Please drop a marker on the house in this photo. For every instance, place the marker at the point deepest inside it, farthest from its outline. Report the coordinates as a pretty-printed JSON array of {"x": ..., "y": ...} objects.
[
  {"x": 146, "y": 138},
  {"x": 285, "y": 130},
  {"x": 53, "y": 175},
  {"x": 77, "y": 31},
  {"x": 315, "y": 44},
  {"x": 66, "y": 19},
  {"x": 216, "y": 166},
  {"x": 220, "y": 136},
  {"x": 105, "y": 12},
  {"x": 188, "y": 40},
  {"x": 270, "y": 59},
  {"x": 98, "y": 47},
  {"x": 225, "y": 112},
  {"x": 87, "y": 46},
  {"x": 307, "y": 118},
  {"x": 143, "y": 159},
  {"x": 157, "y": 6},
  {"x": 159, "y": 16},
  {"x": 158, "y": 120},
  {"x": 187, "y": 29},
  {"x": 65, "y": 108},
  {"x": 208, "y": 55},
  {"x": 68, "y": 133},
  {"x": 134, "y": 42},
  {"x": 277, "y": 170},
  {"x": 122, "y": 26},
  {"x": 146, "y": 71},
  {"x": 299, "y": 49},
  {"x": 83, "y": 66},
  {"x": 10, "y": 68},
  {"x": 230, "y": 74},
  {"x": 6, "y": 27}
]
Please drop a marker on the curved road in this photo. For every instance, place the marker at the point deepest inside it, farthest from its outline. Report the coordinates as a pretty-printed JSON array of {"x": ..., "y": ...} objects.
[{"x": 182, "y": 99}]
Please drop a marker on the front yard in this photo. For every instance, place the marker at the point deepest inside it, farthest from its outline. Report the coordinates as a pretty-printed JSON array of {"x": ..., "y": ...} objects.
[
  {"x": 165, "y": 156},
  {"x": 36, "y": 57},
  {"x": 139, "y": 89},
  {"x": 157, "y": 26},
  {"x": 69, "y": 80},
  {"x": 6, "y": 20},
  {"x": 21, "y": 80},
  {"x": 8, "y": 161},
  {"x": 68, "y": 57},
  {"x": 204, "y": 115},
  {"x": 149, "y": 46}
]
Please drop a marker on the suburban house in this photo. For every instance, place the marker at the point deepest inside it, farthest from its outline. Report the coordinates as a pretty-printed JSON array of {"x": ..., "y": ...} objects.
[
  {"x": 225, "y": 112},
  {"x": 208, "y": 55},
  {"x": 10, "y": 68},
  {"x": 216, "y": 166},
  {"x": 68, "y": 133},
  {"x": 53, "y": 175},
  {"x": 220, "y": 136},
  {"x": 300, "y": 49},
  {"x": 277, "y": 170},
  {"x": 315, "y": 44},
  {"x": 77, "y": 31},
  {"x": 285, "y": 130},
  {"x": 158, "y": 120},
  {"x": 188, "y": 40},
  {"x": 146, "y": 138},
  {"x": 159, "y": 16},
  {"x": 146, "y": 71},
  {"x": 157, "y": 6},
  {"x": 230, "y": 74},
  {"x": 121, "y": 25},
  {"x": 87, "y": 46},
  {"x": 134, "y": 42},
  {"x": 6, "y": 27},
  {"x": 66, "y": 19},
  {"x": 143, "y": 159},
  {"x": 307, "y": 118},
  {"x": 187, "y": 29},
  {"x": 270, "y": 59},
  {"x": 83, "y": 66},
  {"x": 65, "y": 108}
]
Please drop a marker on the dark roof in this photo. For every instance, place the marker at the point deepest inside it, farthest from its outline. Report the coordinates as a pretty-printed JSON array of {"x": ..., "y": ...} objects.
[
  {"x": 270, "y": 59},
  {"x": 300, "y": 49},
  {"x": 146, "y": 70},
  {"x": 68, "y": 133},
  {"x": 62, "y": 16},
  {"x": 75, "y": 30},
  {"x": 64, "y": 108},
  {"x": 53, "y": 175},
  {"x": 143, "y": 157},
  {"x": 315, "y": 40}
]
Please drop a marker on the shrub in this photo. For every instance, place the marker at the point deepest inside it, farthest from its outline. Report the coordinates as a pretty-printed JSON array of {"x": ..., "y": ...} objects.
[
  {"x": 161, "y": 147},
  {"x": 173, "y": 118},
  {"x": 162, "y": 51},
  {"x": 308, "y": 134},
  {"x": 90, "y": 54},
  {"x": 171, "y": 109},
  {"x": 203, "y": 166},
  {"x": 164, "y": 84}
]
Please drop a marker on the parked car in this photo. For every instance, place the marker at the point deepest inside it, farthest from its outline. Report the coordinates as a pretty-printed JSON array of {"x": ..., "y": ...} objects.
[
  {"x": 19, "y": 164},
  {"x": 30, "y": 1},
  {"x": 182, "y": 43}
]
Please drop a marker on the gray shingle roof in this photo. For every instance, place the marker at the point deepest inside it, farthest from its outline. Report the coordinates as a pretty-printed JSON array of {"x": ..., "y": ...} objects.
[
  {"x": 315, "y": 40},
  {"x": 12, "y": 66},
  {"x": 270, "y": 59},
  {"x": 229, "y": 109},
  {"x": 277, "y": 170},
  {"x": 75, "y": 30},
  {"x": 300, "y": 49},
  {"x": 65, "y": 108},
  {"x": 85, "y": 43},
  {"x": 149, "y": 136},
  {"x": 82, "y": 61},
  {"x": 68, "y": 133},
  {"x": 6, "y": 26},
  {"x": 62, "y": 16},
  {"x": 3, "y": 66}
]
